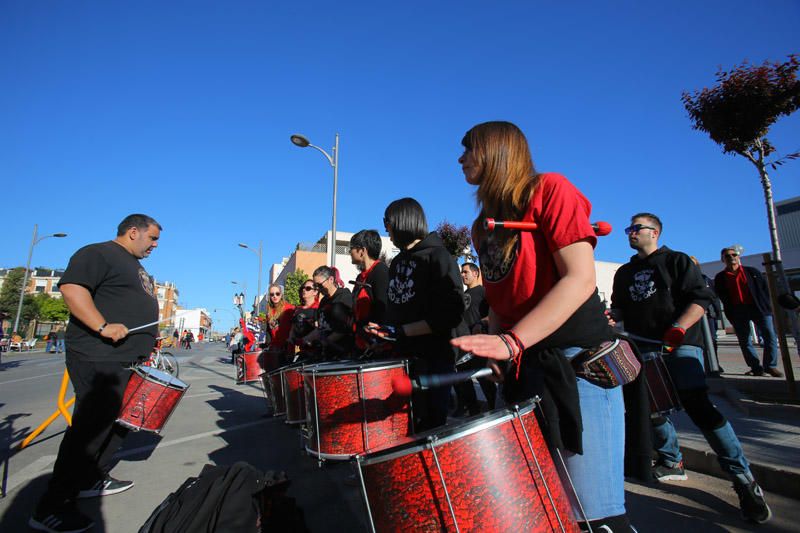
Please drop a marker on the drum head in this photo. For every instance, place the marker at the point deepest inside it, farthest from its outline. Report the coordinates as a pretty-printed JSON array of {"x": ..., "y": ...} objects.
[
  {"x": 443, "y": 435},
  {"x": 352, "y": 367},
  {"x": 151, "y": 374}
]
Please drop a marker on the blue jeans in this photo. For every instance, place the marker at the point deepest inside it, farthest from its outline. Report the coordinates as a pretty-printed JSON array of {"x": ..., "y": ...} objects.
[
  {"x": 740, "y": 316},
  {"x": 598, "y": 475},
  {"x": 685, "y": 365},
  {"x": 60, "y": 346}
]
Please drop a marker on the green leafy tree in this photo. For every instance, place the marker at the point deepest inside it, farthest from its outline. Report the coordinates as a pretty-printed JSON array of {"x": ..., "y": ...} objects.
[
  {"x": 457, "y": 240},
  {"x": 292, "y": 288},
  {"x": 52, "y": 309},
  {"x": 9, "y": 298},
  {"x": 737, "y": 114}
]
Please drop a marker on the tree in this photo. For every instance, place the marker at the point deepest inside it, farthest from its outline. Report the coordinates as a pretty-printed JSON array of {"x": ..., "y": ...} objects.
[
  {"x": 457, "y": 240},
  {"x": 737, "y": 114},
  {"x": 292, "y": 288},
  {"x": 51, "y": 309},
  {"x": 9, "y": 298}
]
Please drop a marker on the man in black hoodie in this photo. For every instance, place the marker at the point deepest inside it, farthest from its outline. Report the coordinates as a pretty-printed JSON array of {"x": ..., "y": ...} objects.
[
  {"x": 425, "y": 303},
  {"x": 660, "y": 295}
]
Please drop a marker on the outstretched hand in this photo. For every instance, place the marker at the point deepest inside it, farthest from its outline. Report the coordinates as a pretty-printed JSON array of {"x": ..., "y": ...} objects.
[{"x": 490, "y": 346}]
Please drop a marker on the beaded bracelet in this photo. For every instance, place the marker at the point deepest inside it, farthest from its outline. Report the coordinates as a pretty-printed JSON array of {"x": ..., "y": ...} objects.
[
  {"x": 511, "y": 356},
  {"x": 518, "y": 342}
]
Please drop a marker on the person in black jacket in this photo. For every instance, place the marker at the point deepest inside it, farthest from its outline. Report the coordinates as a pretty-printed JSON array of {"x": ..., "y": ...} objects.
[
  {"x": 372, "y": 284},
  {"x": 425, "y": 304},
  {"x": 744, "y": 294},
  {"x": 660, "y": 295},
  {"x": 334, "y": 317}
]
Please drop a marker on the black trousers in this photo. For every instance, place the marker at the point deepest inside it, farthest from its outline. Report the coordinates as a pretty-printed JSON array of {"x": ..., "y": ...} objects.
[{"x": 89, "y": 444}]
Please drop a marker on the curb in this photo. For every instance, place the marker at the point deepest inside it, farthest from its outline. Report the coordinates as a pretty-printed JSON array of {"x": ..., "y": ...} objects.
[{"x": 771, "y": 479}]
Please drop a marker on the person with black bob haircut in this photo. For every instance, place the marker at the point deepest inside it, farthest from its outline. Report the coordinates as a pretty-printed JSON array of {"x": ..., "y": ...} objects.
[{"x": 425, "y": 304}]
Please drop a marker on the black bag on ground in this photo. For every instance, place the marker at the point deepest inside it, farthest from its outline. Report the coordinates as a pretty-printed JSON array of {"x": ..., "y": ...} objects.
[{"x": 237, "y": 498}]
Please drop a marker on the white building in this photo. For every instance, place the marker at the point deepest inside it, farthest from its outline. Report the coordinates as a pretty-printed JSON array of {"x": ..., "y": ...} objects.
[{"x": 195, "y": 320}]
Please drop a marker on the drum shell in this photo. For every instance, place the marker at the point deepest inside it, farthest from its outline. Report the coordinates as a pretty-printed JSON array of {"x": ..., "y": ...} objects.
[
  {"x": 248, "y": 369},
  {"x": 660, "y": 389},
  {"x": 351, "y": 408},
  {"x": 493, "y": 480},
  {"x": 149, "y": 400},
  {"x": 294, "y": 395}
]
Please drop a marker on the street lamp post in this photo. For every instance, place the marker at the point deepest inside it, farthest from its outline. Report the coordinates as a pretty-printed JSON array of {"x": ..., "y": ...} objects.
[
  {"x": 259, "y": 254},
  {"x": 303, "y": 142},
  {"x": 34, "y": 242}
]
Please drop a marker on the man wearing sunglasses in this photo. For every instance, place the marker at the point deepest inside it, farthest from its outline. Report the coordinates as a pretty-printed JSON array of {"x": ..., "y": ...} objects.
[
  {"x": 661, "y": 295},
  {"x": 743, "y": 291}
]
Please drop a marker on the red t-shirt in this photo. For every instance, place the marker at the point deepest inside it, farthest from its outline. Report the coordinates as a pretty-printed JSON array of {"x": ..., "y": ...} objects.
[
  {"x": 280, "y": 326},
  {"x": 736, "y": 282},
  {"x": 514, "y": 287}
]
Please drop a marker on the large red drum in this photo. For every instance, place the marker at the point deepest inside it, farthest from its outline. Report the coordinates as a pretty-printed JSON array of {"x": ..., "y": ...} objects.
[
  {"x": 660, "y": 387},
  {"x": 350, "y": 407},
  {"x": 294, "y": 393},
  {"x": 247, "y": 368},
  {"x": 274, "y": 391},
  {"x": 149, "y": 400},
  {"x": 491, "y": 473}
]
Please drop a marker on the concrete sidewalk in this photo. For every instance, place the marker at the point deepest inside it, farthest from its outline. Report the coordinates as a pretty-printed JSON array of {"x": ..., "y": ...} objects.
[{"x": 766, "y": 420}]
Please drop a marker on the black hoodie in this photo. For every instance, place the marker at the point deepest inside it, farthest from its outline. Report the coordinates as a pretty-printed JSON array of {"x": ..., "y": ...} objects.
[
  {"x": 653, "y": 292},
  {"x": 425, "y": 284}
]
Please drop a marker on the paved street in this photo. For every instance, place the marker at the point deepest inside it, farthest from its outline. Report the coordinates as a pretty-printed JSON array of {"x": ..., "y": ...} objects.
[{"x": 219, "y": 422}]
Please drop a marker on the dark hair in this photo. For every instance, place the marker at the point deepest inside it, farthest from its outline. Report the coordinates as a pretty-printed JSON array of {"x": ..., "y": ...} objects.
[
  {"x": 473, "y": 267},
  {"x": 407, "y": 220},
  {"x": 137, "y": 221},
  {"x": 370, "y": 240},
  {"x": 329, "y": 272},
  {"x": 653, "y": 218}
]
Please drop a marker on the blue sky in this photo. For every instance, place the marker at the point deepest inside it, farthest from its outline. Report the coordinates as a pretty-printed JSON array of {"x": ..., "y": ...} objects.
[{"x": 183, "y": 110}]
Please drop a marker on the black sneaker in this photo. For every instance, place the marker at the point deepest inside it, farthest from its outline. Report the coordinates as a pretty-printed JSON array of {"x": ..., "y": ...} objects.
[
  {"x": 64, "y": 521},
  {"x": 662, "y": 472},
  {"x": 106, "y": 487},
  {"x": 751, "y": 502}
]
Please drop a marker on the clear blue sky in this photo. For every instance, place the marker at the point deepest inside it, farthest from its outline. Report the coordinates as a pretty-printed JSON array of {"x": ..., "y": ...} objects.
[{"x": 183, "y": 110}]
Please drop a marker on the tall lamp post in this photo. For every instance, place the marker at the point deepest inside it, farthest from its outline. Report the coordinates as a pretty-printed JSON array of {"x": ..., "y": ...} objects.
[
  {"x": 34, "y": 242},
  {"x": 259, "y": 254},
  {"x": 303, "y": 142}
]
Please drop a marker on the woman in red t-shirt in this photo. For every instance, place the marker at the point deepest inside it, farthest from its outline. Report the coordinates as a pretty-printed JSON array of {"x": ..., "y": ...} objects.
[
  {"x": 279, "y": 319},
  {"x": 545, "y": 309}
]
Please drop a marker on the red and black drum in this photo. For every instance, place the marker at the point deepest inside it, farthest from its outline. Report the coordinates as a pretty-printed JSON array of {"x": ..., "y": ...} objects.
[
  {"x": 149, "y": 400},
  {"x": 247, "y": 368},
  {"x": 491, "y": 473},
  {"x": 660, "y": 387},
  {"x": 294, "y": 394},
  {"x": 350, "y": 407},
  {"x": 274, "y": 391}
]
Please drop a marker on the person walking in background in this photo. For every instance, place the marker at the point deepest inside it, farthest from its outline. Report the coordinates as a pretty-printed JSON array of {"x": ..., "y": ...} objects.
[
  {"x": 660, "y": 295},
  {"x": 106, "y": 290},
  {"x": 744, "y": 294},
  {"x": 60, "y": 339},
  {"x": 51, "y": 341}
]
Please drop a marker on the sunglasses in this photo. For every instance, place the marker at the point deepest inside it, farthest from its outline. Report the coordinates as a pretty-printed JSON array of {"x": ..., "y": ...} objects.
[
  {"x": 731, "y": 255},
  {"x": 274, "y": 294},
  {"x": 308, "y": 288},
  {"x": 636, "y": 228},
  {"x": 319, "y": 285}
]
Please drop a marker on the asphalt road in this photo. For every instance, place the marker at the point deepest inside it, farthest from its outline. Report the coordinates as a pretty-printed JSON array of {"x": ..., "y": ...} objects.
[{"x": 219, "y": 422}]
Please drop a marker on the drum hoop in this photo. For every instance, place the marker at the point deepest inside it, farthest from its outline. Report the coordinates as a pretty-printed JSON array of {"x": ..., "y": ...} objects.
[
  {"x": 422, "y": 443},
  {"x": 148, "y": 373},
  {"x": 360, "y": 369}
]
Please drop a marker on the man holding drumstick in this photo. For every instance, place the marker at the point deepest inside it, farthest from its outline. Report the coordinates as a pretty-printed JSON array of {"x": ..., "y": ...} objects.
[{"x": 106, "y": 290}]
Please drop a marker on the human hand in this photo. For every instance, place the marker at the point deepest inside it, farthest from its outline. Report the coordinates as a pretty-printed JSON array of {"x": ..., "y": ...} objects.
[
  {"x": 674, "y": 336},
  {"x": 491, "y": 346},
  {"x": 497, "y": 374},
  {"x": 115, "y": 332}
]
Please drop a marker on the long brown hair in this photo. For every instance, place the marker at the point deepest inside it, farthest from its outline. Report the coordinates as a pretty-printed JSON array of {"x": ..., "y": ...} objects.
[
  {"x": 275, "y": 311},
  {"x": 506, "y": 178}
]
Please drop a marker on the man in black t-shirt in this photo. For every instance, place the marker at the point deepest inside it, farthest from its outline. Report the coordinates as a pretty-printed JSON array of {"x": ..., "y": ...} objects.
[{"x": 107, "y": 292}]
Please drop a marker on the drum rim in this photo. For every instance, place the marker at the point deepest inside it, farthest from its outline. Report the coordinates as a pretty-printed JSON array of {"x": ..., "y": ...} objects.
[
  {"x": 422, "y": 441},
  {"x": 147, "y": 373},
  {"x": 293, "y": 366},
  {"x": 361, "y": 367}
]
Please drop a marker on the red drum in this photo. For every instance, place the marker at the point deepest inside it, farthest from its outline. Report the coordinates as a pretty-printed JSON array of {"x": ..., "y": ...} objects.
[
  {"x": 294, "y": 393},
  {"x": 350, "y": 407},
  {"x": 273, "y": 389},
  {"x": 150, "y": 398},
  {"x": 247, "y": 368},
  {"x": 492, "y": 473},
  {"x": 660, "y": 388}
]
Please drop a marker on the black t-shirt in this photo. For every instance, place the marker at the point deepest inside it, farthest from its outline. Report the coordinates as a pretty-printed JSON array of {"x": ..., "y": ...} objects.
[
  {"x": 123, "y": 292},
  {"x": 475, "y": 305},
  {"x": 303, "y": 321}
]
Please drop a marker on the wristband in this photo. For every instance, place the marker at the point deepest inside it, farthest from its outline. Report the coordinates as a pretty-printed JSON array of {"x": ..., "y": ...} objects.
[
  {"x": 508, "y": 346},
  {"x": 102, "y": 327}
]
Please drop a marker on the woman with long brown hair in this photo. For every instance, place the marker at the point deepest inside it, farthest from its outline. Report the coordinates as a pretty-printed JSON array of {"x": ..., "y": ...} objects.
[
  {"x": 279, "y": 320},
  {"x": 545, "y": 309}
]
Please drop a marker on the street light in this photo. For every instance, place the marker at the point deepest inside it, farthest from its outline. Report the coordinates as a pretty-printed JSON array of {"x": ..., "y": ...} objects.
[
  {"x": 259, "y": 254},
  {"x": 34, "y": 242},
  {"x": 303, "y": 142}
]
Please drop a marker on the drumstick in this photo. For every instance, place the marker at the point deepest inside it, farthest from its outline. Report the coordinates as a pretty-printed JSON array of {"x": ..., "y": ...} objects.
[
  {"x": 157, "y": 321},
  {"x": 634, "y": 337},
  {"x": 600, "y": 228},
  {"x": 403, "y": 385}
]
